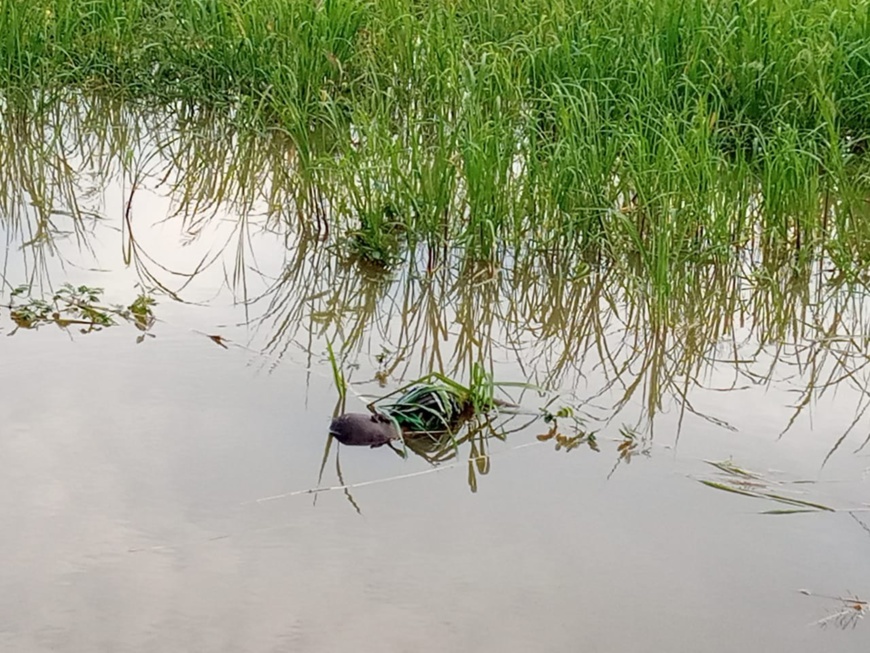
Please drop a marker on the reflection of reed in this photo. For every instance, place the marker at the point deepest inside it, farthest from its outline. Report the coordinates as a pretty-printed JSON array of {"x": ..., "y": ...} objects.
[
  {"x": 553, "y": 318},
  {"x": 560, "y": 331}
]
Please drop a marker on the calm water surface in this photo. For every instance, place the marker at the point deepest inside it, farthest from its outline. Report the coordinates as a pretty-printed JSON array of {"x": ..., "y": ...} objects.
[{"x": 152, "y": 495}]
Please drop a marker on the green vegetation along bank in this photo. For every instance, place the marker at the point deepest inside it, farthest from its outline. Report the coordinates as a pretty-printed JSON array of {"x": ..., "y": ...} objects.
[{"x": 668, "y": 132}]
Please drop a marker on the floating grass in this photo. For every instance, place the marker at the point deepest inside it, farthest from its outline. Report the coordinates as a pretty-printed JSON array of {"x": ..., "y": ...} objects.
[
  {"x": 431, "y": 404},
  {"x": 427, "y": 408},
  {"x": 750, "y": 484},
  {"x": 78, "y": 307}
]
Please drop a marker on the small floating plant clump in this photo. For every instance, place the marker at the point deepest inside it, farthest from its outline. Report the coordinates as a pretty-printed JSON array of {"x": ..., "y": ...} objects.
[
  {"x": 431, "y": 408},
  {"x": 435, "y": 416},
  {"x": 426, "y": 407},
  {"x": 77, "y": 306}
]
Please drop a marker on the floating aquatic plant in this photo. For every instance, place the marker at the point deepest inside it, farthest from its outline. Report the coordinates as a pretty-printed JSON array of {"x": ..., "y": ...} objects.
[
  {"x": 77, "y": 306},
  {"x": 436, "y": 403},
  {"x": 430, "y": 404}
]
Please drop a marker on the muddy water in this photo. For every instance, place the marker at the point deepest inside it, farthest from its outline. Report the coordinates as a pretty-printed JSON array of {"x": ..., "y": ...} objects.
[{"x": 154, "y": 494}]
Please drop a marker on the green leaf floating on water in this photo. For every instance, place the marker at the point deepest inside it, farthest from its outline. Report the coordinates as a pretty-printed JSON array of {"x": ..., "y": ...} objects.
[{"x": 78, "y": 306}]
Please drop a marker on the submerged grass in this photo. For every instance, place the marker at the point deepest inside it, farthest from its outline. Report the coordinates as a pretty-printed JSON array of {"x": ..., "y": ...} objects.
[{"x": 656, "y": 133}]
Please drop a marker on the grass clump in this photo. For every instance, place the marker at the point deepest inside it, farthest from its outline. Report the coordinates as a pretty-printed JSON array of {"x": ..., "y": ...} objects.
[{"x": 438, "y": 403}]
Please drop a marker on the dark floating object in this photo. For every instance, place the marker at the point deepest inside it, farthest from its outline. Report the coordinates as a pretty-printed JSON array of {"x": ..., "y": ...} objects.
[
  {"x": 363, "y": 430},
  {"x": 430, "y": 408},
  {"x": 423, "y": 409}
]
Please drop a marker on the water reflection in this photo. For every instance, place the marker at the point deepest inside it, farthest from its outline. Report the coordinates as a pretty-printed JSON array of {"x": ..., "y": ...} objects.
[
  {"x": 83, "y": 170},
  {"x": 178, "y": 472}
]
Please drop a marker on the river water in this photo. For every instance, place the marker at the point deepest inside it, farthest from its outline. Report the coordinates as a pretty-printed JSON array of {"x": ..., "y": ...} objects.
[{"x": 157, "y": 489}]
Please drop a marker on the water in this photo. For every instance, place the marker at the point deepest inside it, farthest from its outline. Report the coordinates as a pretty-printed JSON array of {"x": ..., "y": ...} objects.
[{"x": 153, "y": 495}]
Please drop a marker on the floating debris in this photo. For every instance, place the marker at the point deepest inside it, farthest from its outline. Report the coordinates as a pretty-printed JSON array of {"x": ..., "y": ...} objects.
[
  {"x": 432, "y": 409},
  {"x": 429, "y": 408},
  {"x": 78, "y": 306},
  {"x": 846, "y": 615},
  {"x": 737, "y": 480}
]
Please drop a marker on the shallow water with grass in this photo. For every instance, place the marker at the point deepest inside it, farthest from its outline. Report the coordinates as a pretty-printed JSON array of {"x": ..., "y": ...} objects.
[{"x": 184, "y": 312}]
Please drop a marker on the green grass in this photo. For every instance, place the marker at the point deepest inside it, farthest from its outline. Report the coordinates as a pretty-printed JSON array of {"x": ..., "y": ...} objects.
[{"x": 656, "y": 134}]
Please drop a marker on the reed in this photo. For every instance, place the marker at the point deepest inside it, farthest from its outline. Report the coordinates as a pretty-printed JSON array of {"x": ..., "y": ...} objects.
[{"x": 655, "y": 134}]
